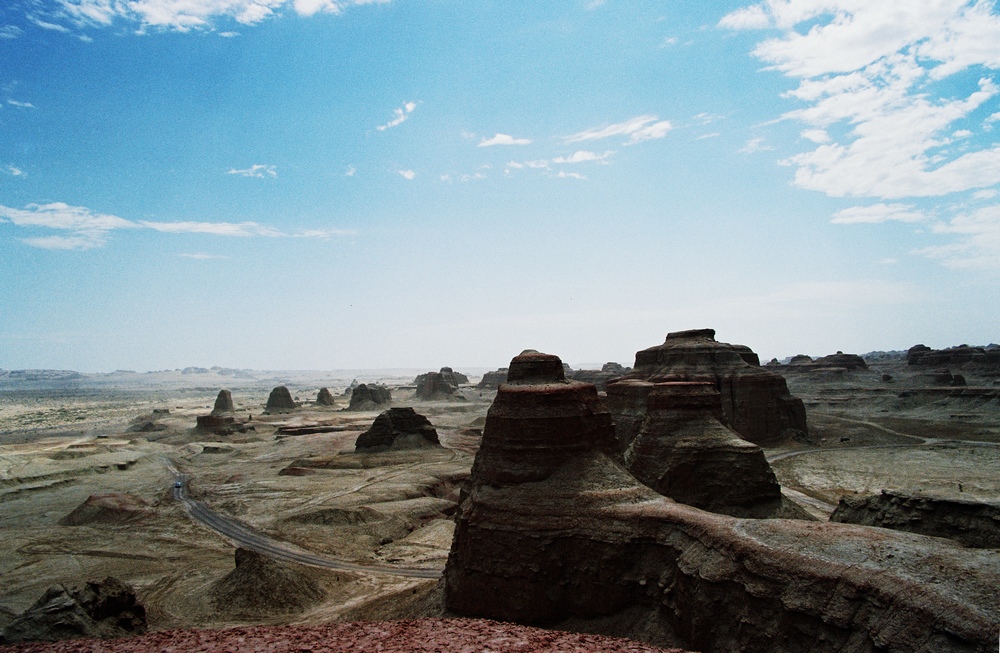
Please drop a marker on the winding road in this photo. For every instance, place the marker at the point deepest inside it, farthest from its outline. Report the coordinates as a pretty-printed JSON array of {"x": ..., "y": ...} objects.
[{"x": 244, "y": 536}]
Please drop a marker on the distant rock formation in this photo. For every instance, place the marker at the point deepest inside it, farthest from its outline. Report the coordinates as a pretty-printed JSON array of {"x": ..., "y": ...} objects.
[
  {"x": 599, "y": 378},
  {"x": 349, "y": 389},
  {"x": 100, "y": 609},
  {"x": 972, "y": 523},
  {"x": 280, "y": 401},
  {"x": 492, "y": 380},
  {"x": 458, "y": 376},
  {"x": 218, "y": 425},
  {"x": 369, "y": 397},
  {"x": 260, "y": 586},
  {"x": 224, "y": 404},
  {"x": 683, "y": 451},
  {"x": 839, "y": 362},
  {"x": 398, "y": 428},
  {"x": 435, "y": 385},
  {"x": 551, "y": 529},
  {"x": 108, "y": 508},
  {"x": 755, "y": 401},
  {"x": 961, "y": 356},
  {"x": 325, "y": 398}
]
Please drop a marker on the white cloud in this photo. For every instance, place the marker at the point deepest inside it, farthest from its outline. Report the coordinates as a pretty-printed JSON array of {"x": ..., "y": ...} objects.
[
  {"x": 185, "y": 15},
  {"x": 399, "y": 116},
  {"x": 978, "y": 244},
  {"x": 21, "y": 105},
  {"x": 594, "y": 4},
  {"x": 229, "y": 35},
  {"x": 987, "y": 194},
  {"x": 871, "y": 66},
  {"x": 755, "y": 145},
  {"x": 407, "y": 174},
  {"x": 638, "y": 129},
  {"x": 351, "y": 170},
  {"x": 15, "y": 172},
  {"x": 88, "y": 230},
  {"x": 667, "y": 42},
  {"x": 877, "y": 213},
  {"x": 562, "y": 174},
  {"x": 49, "y": 26},
  {"x": 584, "y": 156},
  {"x": 709, "y": 135},
  {"x": 257, "y": 170},
  {"x": 816, "y": 135},
  {"x": 504, "y": 139},
  {"x": 9, "y": 32}
]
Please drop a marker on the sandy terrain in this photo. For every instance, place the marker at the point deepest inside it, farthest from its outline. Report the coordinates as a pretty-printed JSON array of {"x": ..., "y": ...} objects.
[{"x": 58, "y": 447}]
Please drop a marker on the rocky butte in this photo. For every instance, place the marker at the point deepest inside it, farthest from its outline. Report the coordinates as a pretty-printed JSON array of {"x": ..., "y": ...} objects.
[
  {"x": 552, "y": 529},
  {"x": 755, "y": 401},
  {"x": 369, "y": 397},
  {"x": 398, "y": 428},
  {"x": 325, "y": 398},
  {"x": 280, "y": 401}
]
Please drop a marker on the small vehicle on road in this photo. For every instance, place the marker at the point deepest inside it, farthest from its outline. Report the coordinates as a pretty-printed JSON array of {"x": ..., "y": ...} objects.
[{"x": 178, "y": 484}]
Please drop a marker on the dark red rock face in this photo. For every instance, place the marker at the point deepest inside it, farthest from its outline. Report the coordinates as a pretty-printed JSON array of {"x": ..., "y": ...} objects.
[
  {"x": 755, "y": 401},
  {"x": 551, "y": 527}
]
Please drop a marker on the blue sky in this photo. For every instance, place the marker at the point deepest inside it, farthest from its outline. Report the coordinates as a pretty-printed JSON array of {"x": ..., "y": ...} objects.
[{"x": 320, "y": 184}]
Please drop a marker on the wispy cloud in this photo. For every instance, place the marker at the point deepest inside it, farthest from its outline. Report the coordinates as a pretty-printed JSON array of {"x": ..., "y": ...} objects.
[
  {"x": 15, "y": 171},
  {"x": 350, "y": 172},
  {"x": 9, "y": 32},
  {"x": 709, "y": 135},
  {"x": 756, "y": 144},
  {"x": 584, "y": 156},
  {"x": 504, "y": 139},
  {"x": 877, "y": 213},
  {"x": 409, "y": 175},
  {"x": 258, "y": 170},
  {"x": 86, "y": 229},
  {"x": 399, "y": 116},
  {"x": 186, "y": 15},
  {"x": 21, "y": 105},
  {"x": 977, "y": 244},
  {"x": 204, "y": 257},
  {"x": 638, "y": 129},
  {"x": 562, "y": 174}
]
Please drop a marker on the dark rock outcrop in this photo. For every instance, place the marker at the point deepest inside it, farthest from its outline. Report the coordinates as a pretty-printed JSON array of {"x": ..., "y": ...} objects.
[
  {"x": 492, "y": 380},
  {"x": 683, "y": 451},
  {"x": 962, "y": 356},
  {"x": 972, "y": 523},
  {"x": 834, "y": 362},
  {"x": 398, "y": 428},
  {"x": 261, "y": 586},
  {"x": 458, "y": 377},
  {"x": 755, "y": 401},
  {"x": 325, "y": 398},
  {"x": 280, "y": 401},
  {"x": 224, "y": 404},
  {"x": 436, "y": 385},
  {"x": 108, "y": 508},
  {"x": 369, "y": 397},
  {"x": 551, "y": 528},
  {"x": 219, "y": 425},
  {"x": 100, "y": 609},
  {"x": 601, "y": 377}
]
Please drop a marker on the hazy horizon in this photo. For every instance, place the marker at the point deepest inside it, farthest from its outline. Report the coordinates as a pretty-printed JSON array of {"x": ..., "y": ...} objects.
[{"x": 359, "y": 184}]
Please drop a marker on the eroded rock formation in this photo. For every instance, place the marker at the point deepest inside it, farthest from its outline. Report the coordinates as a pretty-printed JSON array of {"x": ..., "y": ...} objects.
[
  {"x": 398, "y": 428},
  {"x": 223, "y": 404},
  {"x": 683, "y": 451},
  {"x": 280, "y": 401},
  {"x": 261, "y": 586},
  {"x": 108, "y": 508},
  {"x": 962, "y": 356},
  {"x": 601, "y": 377},
  {"x": 492, "y": 380},
  {"x": 99, "y": 609},
  {"x": 755, "y": 401},
  {"x": 552, "y": 528},
  {"x": 369, "y": 397},
  {"x": 973, "y": 523},
  {"x": 325, "y": 398},
  {"x": 436, "y": 385}
]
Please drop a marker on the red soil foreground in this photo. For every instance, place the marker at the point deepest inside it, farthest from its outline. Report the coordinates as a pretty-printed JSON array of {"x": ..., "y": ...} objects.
[{"x": 428, "y": 635}]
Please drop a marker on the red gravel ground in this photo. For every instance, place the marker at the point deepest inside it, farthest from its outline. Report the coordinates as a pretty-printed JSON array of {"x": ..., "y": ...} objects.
[{"x": 426, "y": 635}]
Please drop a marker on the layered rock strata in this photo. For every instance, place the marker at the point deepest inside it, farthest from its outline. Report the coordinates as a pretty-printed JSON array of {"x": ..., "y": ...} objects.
[
  {"x": 398, "y": 428},
  {"x": 492, "y": 380},
  {"x": 755, "y": 401},
  {"x": 436, "y": 385},
  {"x": 972, "y": 523},
  {"x": 551, "y": 529},
  {"x": 369, "y": 397},
  {"x": 600, "y": 378},
  {"x": 683, "y": 451},
  {"x": 223, "y": 404},
  {"x": 280, "y": 400}
]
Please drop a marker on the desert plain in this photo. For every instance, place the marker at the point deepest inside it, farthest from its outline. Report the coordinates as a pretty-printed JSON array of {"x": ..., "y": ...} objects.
[{"x": 378, "y": 525}]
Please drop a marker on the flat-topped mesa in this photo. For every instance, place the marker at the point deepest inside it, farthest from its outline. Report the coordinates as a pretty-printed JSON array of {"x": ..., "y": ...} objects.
[
  {"x": 223, "y": 404},
  {"x": 492, "y": 380},
  {"x": 369, "y": 396},
  {"x": 755, "y": 401},
  {"x": 280, "y": 400},
  {"x": 325, "y": 398},
  {"x": 551, "y": 529},
  {"x": 436, "y": 385},
  {"x": 537, "y": 421},
  {"x": 683, "y": 451}
]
